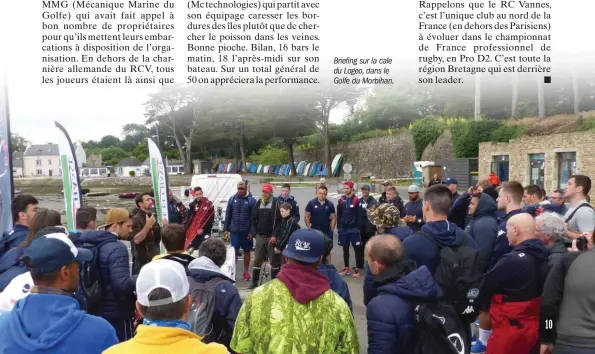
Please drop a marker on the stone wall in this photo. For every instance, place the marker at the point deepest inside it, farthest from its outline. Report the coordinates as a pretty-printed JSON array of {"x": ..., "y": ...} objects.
[
  {"x": 518, "y": 150},
  {"x": 385, "y": 157},
  {"x": 442, "y": 149}
]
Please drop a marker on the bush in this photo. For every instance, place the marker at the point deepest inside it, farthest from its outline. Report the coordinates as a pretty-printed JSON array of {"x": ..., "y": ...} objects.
[
  {"x": 506, "y": 132},
  {"x": 270, "y": 155},
  {"x": 132, "y": 173},
  {"x": 425, "y": 132},
  {"x": 466, "y": 136}
]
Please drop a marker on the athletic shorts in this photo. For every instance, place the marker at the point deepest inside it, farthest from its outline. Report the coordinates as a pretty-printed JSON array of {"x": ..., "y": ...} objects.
[
  {"x": 349, "y": 235},
  {"x": 240, "y": 240},
  {"x": 325, "y": 230}
]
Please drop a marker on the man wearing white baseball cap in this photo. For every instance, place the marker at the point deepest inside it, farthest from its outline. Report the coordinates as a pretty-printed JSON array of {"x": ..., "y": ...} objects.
[
  {"x": 164, "y": 301},
  {"x": 414, "y": 216},
  {"x": 50, "y": 319}
]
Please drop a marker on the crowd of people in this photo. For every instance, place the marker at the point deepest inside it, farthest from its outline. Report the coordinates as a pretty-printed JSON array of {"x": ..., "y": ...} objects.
[{"x": 501, "y": 266}]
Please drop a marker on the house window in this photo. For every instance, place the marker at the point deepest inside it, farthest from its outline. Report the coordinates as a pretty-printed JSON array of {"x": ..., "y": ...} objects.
[
  {"x": 49, "y": 162},
  {"x": 500, "y": 165},
  {"x": 37, "y": 162},
  {"x": 181, "y": 169},
  {"x": 39, "y": 172},
  {"x": 537, "y": 165},
  {"x": 566, "y": 168}
]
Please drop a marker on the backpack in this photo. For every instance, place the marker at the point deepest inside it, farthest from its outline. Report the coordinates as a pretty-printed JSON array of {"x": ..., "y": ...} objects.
[
  {"x": 586, "y": 205},
  {"x": 202, "y": 310},
  {"x": 90, "y": 279},
  {"x": 459, "y": 274},
  {"x": 439, "y": 330}
]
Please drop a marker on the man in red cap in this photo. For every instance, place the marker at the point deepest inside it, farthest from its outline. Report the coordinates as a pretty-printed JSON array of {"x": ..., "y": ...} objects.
[
  {"x": 265, "y": 217},
  {"x": 348, "y": 220}
]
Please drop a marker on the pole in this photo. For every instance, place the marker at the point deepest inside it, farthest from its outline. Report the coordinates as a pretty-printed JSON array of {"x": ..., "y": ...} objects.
[{"x": 477, "y": 114}]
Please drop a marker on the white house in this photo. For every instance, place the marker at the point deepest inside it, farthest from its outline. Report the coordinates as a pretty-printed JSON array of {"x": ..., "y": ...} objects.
[
  {"x": 42, "y": 160},
  {"x": 80, "y": 154},
  {"x": 17, "y": 164},
  {"x": 174, "y": 167},
  {"x": 131, "y": 164}
]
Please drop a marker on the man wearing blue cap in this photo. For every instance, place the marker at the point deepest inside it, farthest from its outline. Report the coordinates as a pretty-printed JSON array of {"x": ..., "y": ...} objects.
[
  {"x": 50, "y": 320},
  {"x": 452, "y": 184},
  {"x": 325, "y": 323}
]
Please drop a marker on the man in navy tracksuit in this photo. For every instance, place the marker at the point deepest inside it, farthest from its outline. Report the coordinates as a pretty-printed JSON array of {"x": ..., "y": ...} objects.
[
  {"x": 509, "y": 200},
  {"x": 23, "y": 210},
  {"x": 238, "y": 221},
  {"x": 414, "y": 216},
  {"x": 348, "y": 220},
  {"x": 367, "y": 229},
  {"x": 320, "y": 214},
  {"x": 285, "y": 197}
]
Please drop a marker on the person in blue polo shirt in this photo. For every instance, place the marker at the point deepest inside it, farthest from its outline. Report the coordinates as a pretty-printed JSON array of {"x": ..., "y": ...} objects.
[
  {"x": 320, "y": 214},
  {"x": 348, "y": 219}
]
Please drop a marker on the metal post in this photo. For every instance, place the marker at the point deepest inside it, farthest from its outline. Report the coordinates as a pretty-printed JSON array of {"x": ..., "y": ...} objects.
[{"x": 477, "y": 115}]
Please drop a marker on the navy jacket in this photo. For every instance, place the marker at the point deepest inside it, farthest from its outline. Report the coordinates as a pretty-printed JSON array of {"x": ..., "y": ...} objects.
[
  {"x": 174, "y": 214},
  {"x": 15, "y": 237},
  {"x": 295, "y": 207},
  {"x": 11, "y": 266},
  {"x": 501, "y": 246},
  {"x": 118, "y": 297},
  {"x": 390, "y": 314},
  {"x": 402, "y": 232},
  {"x": 238, "y": 215},
  {"x": 348, "y": 212},
  {"x": 459, "y": 210},
  {"x": 364, "y": 223},
  {"x": 415, "y": 208},
  {"x": 483, "y": 227},
  {"x": 227, "y": 300},
  {"x": 518, "y": 275},
  {"x": 425, "y": 252},
  {"x": 337, "y": 282}
]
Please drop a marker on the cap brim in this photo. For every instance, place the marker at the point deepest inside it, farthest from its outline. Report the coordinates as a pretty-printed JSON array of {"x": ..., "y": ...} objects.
[
  {"x": 84, "y": 255},
  {"x": 289, "y": 254}
]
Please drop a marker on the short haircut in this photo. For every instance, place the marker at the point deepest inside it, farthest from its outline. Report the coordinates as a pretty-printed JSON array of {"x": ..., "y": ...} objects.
[
  {"x": 173, "y": 237},
  {"x": 582, "y": 181},
  {"x": 559, "y": 191},
  {"x": 197, "y": 189},
  {"x": 440, "y": 198},
  {"x": 286, "y": 185},
  {"x": 533, "y": 189},
  {"x": 553, "y": 225},
  {"x": 20, "y": 203},
  {"x": 386, "y": 249},
  {"x": 514, "y": 189},
  {"x": 84, "y": 216},
  {"x": 323, "y": 188},
  {"x": 169, "y": 312},
  {"x": 45, "y": 278},
  {"x": 391, "y": 188},
  {"x": 484, "y": 183},
  {"x": 214, "y": 249},
  {"x": 286, "y": 206},
  {"x": 139, "y": 198},
  {"x": 328, "y": 247}
]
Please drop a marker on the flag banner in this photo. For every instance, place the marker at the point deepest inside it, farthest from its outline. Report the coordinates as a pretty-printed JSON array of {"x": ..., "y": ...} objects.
[
  {"x": 6, "y": 183},
  {"x": 70, "y": 177},
  {"x": 159, "y": 178}
]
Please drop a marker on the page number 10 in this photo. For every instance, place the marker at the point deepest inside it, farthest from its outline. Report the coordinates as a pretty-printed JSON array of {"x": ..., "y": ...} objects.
[{"x": 549, "y": 324}]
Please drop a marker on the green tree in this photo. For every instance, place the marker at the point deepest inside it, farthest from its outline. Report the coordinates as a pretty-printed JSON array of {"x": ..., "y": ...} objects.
[
  {"x": 112, "y": 155},
  {"x": 425, "y": 132},
  {"x": 18, "y": 143}
]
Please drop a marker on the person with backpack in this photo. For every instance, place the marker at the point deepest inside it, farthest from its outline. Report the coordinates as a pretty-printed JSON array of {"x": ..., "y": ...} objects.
[
  {"x": 265, "y": 218},
  {"x": 580, "y": 217},
  {"x": 50, "y": 320},
  {"x": 165, "y": 303},
  {"x": 390, "y": 314},
  {"x": 348, "y": 229},
  {"x": 238, "y": 221},
  {"x": 23, "y": 209},
  {"x": 513, "y": 289},
  {"x": 297, "y": 312},
  {"x": 483, "y": 227},
  {"x": 106, "y": 279},
  {"x": 216, "y": 291},
  {"x": 173, "y": 237}
]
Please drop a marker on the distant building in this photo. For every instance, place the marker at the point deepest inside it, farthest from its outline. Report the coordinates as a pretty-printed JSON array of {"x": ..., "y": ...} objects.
[
  {"x": 42, "y": 160},
  {"x": 17, "y": 164},
  {"x": 174, "y": 167},
  {"x": 130, "y": 164},
  {"x": 94, "y": 161},
  {"x": 80, "y": 154}
]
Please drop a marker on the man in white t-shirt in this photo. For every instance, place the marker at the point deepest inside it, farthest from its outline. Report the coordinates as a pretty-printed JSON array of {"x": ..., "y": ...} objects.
[{"x": 580, "y": 217}]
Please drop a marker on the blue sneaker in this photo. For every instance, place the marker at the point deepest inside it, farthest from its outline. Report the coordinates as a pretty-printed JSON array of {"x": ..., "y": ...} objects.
[
  {"x": 478, "y": 348},
  {"x": 473, "y": 339}
]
